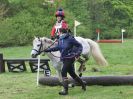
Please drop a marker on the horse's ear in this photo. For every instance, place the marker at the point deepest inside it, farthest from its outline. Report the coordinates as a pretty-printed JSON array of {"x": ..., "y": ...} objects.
[
  {"x": 34, "y": 36},
  {"x": 39, "y": 38}
]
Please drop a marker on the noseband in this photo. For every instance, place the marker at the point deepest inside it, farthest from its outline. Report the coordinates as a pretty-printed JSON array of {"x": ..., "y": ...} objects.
[{"x": 39, "y": 51}]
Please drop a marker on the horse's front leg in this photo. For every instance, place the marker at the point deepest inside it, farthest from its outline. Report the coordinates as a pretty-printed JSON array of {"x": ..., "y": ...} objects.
[
  {"x": 58, "y": 67},
  {"x": 59, "y": 75}
]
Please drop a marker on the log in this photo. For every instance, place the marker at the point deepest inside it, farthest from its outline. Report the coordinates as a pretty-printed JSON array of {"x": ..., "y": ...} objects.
[{"x": 91, "y": 80}]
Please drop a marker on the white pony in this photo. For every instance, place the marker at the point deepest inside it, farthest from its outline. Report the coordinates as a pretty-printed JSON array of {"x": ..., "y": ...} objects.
[{"x": 90, "y": 47}]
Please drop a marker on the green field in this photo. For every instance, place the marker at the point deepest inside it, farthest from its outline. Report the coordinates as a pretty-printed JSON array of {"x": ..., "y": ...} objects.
[{"x": 23, "y": 85}]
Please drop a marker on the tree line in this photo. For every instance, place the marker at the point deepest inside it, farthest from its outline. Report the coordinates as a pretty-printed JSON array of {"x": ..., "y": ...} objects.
[{"x": 21, "y": 20}]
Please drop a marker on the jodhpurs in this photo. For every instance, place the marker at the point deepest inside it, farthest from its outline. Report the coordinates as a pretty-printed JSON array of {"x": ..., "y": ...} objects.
[{"x": 68, "y": 67}]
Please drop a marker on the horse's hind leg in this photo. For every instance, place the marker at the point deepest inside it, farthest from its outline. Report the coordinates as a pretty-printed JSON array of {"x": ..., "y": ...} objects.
[
  {"x": 82, "y": 64},
  {"x": 86, "y": 57},
  {"x": 81, "y": 61}
]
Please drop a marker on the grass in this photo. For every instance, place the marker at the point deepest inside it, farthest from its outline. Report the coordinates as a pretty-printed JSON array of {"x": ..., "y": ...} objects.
[{"x": 23, "y": 85}]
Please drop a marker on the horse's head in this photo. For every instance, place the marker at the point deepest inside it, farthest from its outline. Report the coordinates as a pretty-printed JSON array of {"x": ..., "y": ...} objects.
[
  {"x": 39, "y": 44},
  {"x": 37, "y": 47}
]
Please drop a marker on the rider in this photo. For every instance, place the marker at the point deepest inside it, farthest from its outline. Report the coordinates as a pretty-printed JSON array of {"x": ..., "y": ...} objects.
[
  {"x": 60, "y": 21},
  {"x": 69, "y": 49}
]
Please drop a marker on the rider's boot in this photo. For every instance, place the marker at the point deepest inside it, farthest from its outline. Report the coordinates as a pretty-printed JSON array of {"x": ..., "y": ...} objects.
[
  {"x": 82, "y": 83},
  {"x": 65, "y": 87}
]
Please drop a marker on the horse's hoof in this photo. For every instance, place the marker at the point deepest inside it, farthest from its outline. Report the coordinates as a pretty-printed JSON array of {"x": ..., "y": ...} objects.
[{"x": 80, "y": 75}]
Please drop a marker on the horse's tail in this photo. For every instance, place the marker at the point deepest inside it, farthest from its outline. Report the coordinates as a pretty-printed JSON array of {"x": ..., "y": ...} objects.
[{"x": 96, "y": 53}]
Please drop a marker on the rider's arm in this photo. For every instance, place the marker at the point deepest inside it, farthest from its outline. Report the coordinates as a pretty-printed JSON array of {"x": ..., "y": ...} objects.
[
  {"x": 56, "y": 48},
  {"x": 53, "y": 32},
  {"x": 78, "y": 46}
]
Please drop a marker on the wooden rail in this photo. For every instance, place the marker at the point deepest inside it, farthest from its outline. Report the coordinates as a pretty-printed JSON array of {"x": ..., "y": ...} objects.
[
  {"x": 19, "y": 63},
  {"x": 109, "y": 41},
  {"x": 24, "y": 59}
]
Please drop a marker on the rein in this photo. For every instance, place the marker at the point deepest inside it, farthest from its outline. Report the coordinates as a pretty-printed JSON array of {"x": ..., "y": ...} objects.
[
  {"x": 63, "y": 57},
  {"x": 50, "y": 45},
  {"x": 39, "y": 51},
  {"x": 55, "y": 55}
]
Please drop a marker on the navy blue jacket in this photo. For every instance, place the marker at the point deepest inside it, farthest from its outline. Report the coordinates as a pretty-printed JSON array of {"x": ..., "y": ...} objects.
[{"x": 68, "y": 46}]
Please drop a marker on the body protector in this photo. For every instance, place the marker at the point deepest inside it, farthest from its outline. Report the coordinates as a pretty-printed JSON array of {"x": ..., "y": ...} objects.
[{"x": 56, "y": 28}]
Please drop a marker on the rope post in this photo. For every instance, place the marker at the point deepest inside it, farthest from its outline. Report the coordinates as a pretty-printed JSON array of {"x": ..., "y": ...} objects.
[
  {"x": 122, "y": 31},
  {"x": 38, "y": 70},
  {"x": 76, "y": 23},
  {"x": 2, "y": 65},
  {"x": 74, "y": 31}
]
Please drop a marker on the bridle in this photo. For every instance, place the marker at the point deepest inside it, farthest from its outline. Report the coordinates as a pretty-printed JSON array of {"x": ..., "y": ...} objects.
[{"x": 41, "y": 46}]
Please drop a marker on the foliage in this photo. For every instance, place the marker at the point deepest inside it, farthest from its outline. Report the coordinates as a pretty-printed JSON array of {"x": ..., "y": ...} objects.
[
  {"x": 4, "y": 8},
  {"x": 22, "y": 19}
]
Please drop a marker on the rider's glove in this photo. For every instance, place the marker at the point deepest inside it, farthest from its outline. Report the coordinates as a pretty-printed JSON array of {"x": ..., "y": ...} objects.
[
  {"x": 52, "y": 37},
  {"x": 47, "y": 50}
]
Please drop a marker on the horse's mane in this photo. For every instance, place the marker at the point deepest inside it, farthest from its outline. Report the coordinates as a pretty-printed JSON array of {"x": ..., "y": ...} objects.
[{"x": 47, "y": 40}]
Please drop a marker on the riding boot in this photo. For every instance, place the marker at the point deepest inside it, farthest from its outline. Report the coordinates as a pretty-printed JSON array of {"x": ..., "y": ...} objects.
[
  {"x": 79, "y": 80},
  {"x": 65, "y": 87}
]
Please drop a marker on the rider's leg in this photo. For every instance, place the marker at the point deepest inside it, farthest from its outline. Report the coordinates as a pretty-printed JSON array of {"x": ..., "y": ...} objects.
[
  {"x": 72, "y": 73},
  {"x": 65, "y": 79},
  {"x": 65, "y": 87}
]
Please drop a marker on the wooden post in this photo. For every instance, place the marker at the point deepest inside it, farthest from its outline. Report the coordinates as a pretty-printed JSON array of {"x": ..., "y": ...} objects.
[{"x": 2, "y": 65}]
